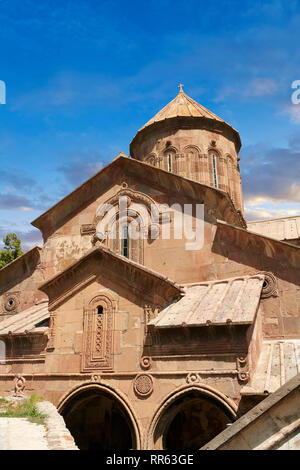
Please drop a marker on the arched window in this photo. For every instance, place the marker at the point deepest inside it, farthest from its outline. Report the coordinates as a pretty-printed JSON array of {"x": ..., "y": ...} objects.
[
  {"x": 169, "y": 159},
  {"x": 213, "y": 168},
  {"x": 100, "y": 310},
  {"x": 125, "y": 242},
  {"x": 127, "y": 237},
  {"x": 97, "y": 337},
  {"x": 169, "y": 162},
  {"x": 214, "y": 163},
  {"x": 151, "y": 160}
]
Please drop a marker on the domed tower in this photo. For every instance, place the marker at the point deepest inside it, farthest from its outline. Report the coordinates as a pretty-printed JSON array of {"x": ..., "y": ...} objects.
[{"x": 187, "y": 139}]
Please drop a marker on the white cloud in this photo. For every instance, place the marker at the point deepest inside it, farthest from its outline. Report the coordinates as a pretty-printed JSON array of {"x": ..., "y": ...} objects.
[{"x": 293, "y": 111}]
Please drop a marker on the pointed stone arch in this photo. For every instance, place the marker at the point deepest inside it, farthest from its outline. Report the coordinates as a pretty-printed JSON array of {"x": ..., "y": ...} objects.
[
  {"x": 83, "y": 392},
  {"x": 166, "y": 411},
  {"x": 132, "y": 196},
  {"x": 193, "y": 162},
  {"x": 169, "y": 162},
  {"x": 151, "y": 159},
  {"x": 141, "y": 214}
]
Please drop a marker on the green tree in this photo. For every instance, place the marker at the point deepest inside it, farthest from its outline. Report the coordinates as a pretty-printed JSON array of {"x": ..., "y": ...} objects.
[{"x": 11, "y": 250}]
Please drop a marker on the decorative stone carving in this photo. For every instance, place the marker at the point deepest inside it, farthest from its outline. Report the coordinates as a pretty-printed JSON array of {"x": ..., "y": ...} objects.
[
  {"x": 87, "y": 229},
  {"x": 192, "y": 378},
  {"x": 269, "y": 288},
  {"x": 19, "y": 386},
  {"x": 98, "y": 334},
  {"x": 131, "y": 196},
  {"x": 96, "y": 378},
  {"x": 150, "y": 312},
  {"x": 242, "y": 369},
  {"x": 11, "y": 302},
  {"x": 143, "y": 385},
  {"x": 50, "y": 345},
  {"x": 145, "y": 362}
]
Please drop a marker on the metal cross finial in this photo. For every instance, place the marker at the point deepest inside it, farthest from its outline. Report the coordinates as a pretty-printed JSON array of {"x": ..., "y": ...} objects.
[{"x": 180, "y": 86}]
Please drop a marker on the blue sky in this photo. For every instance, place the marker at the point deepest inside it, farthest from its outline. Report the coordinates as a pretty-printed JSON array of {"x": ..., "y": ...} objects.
[{"x": 83, "y": 76}]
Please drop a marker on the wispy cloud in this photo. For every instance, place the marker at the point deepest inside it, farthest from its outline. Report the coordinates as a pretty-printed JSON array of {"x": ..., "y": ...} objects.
[
  {"x": 14, "y": 202},
  {"x": 77, "y": 171},
  {"x": 17, "y": 179},
  {"x": 28, "y": 238},
  {"x": 293, "y": 111},
  {"x": 271, "y": 173}
]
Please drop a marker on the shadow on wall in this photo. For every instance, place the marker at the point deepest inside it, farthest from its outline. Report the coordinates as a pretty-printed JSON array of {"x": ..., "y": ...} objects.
[{"x": 247, "y": 249}]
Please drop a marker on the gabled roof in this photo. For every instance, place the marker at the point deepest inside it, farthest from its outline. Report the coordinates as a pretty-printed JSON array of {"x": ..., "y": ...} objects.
[
  {"x": 149, "y": 284},
  {"x": 26, "y": 321},
  {"x": 155, "y": 177},
  {"x": 227, "y": 301}
]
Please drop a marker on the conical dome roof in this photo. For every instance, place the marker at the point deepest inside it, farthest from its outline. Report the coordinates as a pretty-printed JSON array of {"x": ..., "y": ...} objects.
[
  {"x": 182, "y": 105},
  {"x": 184, "y": 111}
]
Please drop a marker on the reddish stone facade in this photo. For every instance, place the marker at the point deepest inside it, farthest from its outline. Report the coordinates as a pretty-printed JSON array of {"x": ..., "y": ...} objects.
[{"x": 80, "y": 317}]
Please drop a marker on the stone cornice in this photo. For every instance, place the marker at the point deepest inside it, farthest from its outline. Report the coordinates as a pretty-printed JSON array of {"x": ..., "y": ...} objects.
[{"x": 186, "y": 122}]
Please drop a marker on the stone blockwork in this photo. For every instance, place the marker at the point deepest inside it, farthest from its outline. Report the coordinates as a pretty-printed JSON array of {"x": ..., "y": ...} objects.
[
  {"x": 57, "y": 435},
  {"x": 285, "y": 228},
  {"x": 274, "y": 424},
  {"x": 19, "y": 283},
  {"x": 135, "y": 336},
  {"x": 190, "y": 141}
]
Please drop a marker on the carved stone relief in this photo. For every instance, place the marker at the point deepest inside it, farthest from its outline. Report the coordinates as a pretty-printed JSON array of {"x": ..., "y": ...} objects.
[{"x": 98, "y": 334}]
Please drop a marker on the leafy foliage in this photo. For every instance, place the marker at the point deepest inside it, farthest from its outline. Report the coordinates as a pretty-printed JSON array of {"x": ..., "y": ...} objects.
[
  {"x": 22, "y": 409},
  {"x": 11, "y": 250}
]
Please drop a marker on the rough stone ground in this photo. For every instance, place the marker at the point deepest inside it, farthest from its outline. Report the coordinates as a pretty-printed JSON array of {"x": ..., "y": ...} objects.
[{"x": 21, "y": 434}]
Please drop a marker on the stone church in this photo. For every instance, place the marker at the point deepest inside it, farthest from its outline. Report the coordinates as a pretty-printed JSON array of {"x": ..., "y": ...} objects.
[{"x": 152, "y": 341}]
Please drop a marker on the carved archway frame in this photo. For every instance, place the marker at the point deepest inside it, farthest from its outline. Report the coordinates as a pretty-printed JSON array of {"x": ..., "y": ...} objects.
[
  {"x": 117, "y": 395},
  {"x": 151, "y": 206},
  {"x": 202, "y": 389},
  {"x": 97, "y": 351}
]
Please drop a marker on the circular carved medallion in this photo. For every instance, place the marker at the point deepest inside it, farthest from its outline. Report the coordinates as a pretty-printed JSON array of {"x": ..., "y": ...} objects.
[
  {"x": 96, "y": 378},
  {"x": 145, "y": 362},
  {"x": 143, "y": 385},
  {"x": 269, "y": 287},
  {"x": 193, "y": 377},
  {"x": 11, "y": 303}
]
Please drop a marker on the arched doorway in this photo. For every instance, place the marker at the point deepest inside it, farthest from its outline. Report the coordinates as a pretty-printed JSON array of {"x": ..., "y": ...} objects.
[
  {"x": 189, "y": 420},
  {"x": 97, "y": 420}
]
